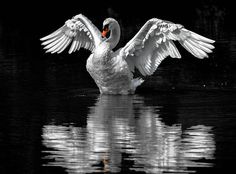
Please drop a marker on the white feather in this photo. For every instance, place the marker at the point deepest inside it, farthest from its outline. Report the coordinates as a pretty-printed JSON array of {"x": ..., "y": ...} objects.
[
  {"x": 198, "y": 45},
  {"x": 52, "y": 35},
  {"x": 64, "y": 47},
  {"x": 50, "y": 40},
  {"x": 201, "y": 38},
  {"x": 55, "y": 42},
  {"x": 61, "y": 45},
  {"x": 57, "y": 45},
  {"x": 175, "y": 50},
  {"x": 72, "y": 47}
]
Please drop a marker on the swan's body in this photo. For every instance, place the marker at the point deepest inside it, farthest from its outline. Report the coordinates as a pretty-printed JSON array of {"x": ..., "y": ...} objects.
[
  {"x": 110, "y": 72},
  {"x": 113, "y": 71}
]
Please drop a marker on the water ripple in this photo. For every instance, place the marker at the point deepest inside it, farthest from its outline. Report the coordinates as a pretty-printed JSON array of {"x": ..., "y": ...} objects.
[{"x": 122, "y": 129}]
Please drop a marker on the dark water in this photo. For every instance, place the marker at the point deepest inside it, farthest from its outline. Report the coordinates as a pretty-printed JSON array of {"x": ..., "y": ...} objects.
[{"x": 79, "y": 131}]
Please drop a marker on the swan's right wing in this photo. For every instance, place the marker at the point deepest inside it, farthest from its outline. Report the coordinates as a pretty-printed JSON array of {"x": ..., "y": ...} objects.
[{"x": 79, "y": 31}]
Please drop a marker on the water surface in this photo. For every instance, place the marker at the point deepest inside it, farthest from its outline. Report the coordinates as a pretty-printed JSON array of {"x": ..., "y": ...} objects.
[{"x": 129, "y": 133}]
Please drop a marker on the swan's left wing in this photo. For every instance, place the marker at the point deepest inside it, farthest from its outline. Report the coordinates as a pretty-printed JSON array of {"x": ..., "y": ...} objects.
[
  {"x": 79, "y": 31},
  {"x": 154, "y": 42}
]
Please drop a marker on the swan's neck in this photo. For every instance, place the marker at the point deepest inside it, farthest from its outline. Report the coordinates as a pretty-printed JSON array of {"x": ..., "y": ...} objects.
[{"x": 114, "y": 38}]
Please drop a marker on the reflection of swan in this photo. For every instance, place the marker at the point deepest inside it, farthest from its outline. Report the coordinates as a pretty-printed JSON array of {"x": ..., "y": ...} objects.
[
  {"x": 122, "y": 128},
  {"x": 112, "y": 71}
]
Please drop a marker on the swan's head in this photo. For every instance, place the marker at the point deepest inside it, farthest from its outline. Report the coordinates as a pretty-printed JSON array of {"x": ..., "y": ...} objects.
[
  {"x": 109, "y": 24},
  {"x": 111, "y": 32}
]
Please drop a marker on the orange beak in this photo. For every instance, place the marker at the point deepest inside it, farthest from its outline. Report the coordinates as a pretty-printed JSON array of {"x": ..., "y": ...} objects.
[{"x": 104, "y": 32}]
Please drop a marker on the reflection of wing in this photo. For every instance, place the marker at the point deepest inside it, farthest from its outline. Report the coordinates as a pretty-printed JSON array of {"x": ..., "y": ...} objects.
[
  {"x": 201, "y": 140},
  {"x": 154, "y": 42},
  {"x": 79, "y": 30}
]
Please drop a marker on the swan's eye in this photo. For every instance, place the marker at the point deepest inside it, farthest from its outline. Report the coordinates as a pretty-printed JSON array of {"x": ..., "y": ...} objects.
[{"x": 106, "y": 27}]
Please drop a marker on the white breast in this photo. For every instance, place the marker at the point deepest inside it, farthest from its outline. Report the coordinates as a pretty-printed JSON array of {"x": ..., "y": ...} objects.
[{"x": 110, "y": 72}]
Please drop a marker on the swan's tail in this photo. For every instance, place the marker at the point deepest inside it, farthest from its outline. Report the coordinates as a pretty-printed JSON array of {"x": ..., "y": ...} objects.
[{"x": 135, "y": 83}]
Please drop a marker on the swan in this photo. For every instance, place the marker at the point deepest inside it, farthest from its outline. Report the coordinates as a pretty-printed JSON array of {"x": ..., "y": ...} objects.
[{"x": 113, "y": 71}]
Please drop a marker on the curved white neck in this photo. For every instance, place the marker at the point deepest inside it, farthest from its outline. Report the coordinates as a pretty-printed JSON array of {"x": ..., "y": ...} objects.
[{"x": 114, "y": 38}]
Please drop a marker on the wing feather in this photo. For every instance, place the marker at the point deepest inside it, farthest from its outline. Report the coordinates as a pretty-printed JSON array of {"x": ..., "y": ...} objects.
[
  {"x": 175, "y": 50},
  {"x": 56, "y": 41},
  {"x": 50, "y": 40},
  {"x": 58, "y": 46},
  {"x": 65, "y": 45},
  {"x": 188, "y": 48},
  {"x": 200, "y": 46},
  {"x": 154, "y": 42},
  {"x": 78, "y": 31},
  {"x": 200, "y": 38},
  {"x": 52, "y": 35},
  {"x": 72, "y": 48},
  {"x": 201, "y": 53}
]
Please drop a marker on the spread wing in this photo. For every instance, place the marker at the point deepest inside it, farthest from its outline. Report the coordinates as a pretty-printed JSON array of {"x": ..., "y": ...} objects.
[
  {"x": 154, "y": 42},
  {"x": 78, "y": 31}
]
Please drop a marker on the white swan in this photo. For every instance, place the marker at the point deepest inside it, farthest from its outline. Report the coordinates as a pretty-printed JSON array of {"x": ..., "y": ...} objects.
[{"x": 113, "y": 71}]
